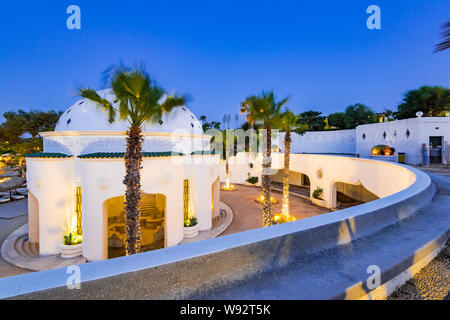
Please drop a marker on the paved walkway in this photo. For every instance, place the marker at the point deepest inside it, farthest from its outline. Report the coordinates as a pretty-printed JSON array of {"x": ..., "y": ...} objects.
[
  {"x": 433, "y": 281},
  {"x": 8, "y": 226},
  {"x": 323, "y": 275},
  {"x": 247, "y": 212},
  {"x": 13, "y": 209}
]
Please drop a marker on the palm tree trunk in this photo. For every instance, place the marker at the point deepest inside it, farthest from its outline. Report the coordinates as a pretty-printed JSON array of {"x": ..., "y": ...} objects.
[
  {"x": 227, "y": 174},
  {"x": 132, "y": 180},
  {"x": 227, "y": 166},
  {"x": 287, "y": 153},
  {"x": 266, "y": 179}
]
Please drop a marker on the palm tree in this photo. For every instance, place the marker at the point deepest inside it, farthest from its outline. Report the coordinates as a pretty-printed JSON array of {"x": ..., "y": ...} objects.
[
  {"x": 287, "y": 122},
  {"x": 445, "y": 44},
  {"x": 264, "y": 108},
  {"x": 137, "y": 101}
]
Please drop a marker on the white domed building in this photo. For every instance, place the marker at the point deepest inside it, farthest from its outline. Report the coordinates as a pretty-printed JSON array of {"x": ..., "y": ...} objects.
[{"x": 75, "y": 184}]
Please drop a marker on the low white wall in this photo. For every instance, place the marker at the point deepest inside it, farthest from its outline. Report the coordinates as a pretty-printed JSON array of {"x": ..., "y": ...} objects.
[
  {"x": 379, "y": 177},
  {"x": 334, "y": 142}
]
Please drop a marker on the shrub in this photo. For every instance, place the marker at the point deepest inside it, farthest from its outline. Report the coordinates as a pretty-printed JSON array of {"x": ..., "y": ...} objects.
[
  {"x": 190, "y": 222},
  {"x": 253, "y": 180},
  {"x": 317, "y": 193}
]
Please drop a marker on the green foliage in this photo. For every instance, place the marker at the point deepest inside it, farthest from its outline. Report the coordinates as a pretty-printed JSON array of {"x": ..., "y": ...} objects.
[
  {"x": 263, "y": 108},
  {"x": 358, "y": 114},
  {"x": 209, "y": 125},
  {"x": 19, "y": 122},
  {"x": 317, "y": 193},
  {"x": 337, "y": 120},
  {"x": 432, "y": 101},
  {"x": 288, "y": 121},
  {"x": 138, "y": 96},
  {"x": 190, "y": 222},
  {"x": 313, "y": 120},
  {"x": 71, "y": 239},
  {"x": 253, "y": 180},
  {"x": 445, "y": 43},
  {"x": 28, "y": 146}
]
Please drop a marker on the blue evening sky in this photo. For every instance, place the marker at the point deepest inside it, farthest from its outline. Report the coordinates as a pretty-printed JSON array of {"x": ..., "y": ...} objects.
[{"x": 319, "y": 52}]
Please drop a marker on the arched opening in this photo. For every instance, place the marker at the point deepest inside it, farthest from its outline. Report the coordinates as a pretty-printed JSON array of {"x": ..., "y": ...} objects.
[
  {"x": 33, "y": 218},
  {"x": 153, "y": 208},
  {"x": 215, "y": 200},
  {"x": 298, "y": 182},
  {"x": 345, "y": 195}
]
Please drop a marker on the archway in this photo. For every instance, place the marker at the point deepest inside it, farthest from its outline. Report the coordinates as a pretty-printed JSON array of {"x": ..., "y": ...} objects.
[
  {"x": 33, "y": 218},
  {"x": 344, "y": 195},
  {"x": 298, "y": 182},
  {"x": 153, "y": 208}
]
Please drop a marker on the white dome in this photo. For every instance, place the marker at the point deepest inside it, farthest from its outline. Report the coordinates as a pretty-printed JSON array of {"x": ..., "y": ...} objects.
[{"x": 84, "y": 115}]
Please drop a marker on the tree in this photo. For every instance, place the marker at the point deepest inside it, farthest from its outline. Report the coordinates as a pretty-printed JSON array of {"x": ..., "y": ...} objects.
[
  {"x": 264, "y": 108},
  {"x": 39, "y": 121},
  {"x": 28, "y": 146},
  {"x": 337, "y": 120},
  {"x": 13, "y": 127},
  {"x": 206, "y": 125},
  {"x": 432, "y": 101},
  {"x": 137, "y": 101},
  {"x": 313, "y": 120},
  {"x": 445, "y": 44},
  {"x": 357, "y": 114},
  {"x": 288, "y": 122}
]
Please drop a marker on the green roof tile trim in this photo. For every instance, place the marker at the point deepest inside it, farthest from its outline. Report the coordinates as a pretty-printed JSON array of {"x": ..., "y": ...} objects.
[
  {"x": 205, "y": 152},
  {"x": 118, "y": 155},
  {"x": 47, "y": 155}
]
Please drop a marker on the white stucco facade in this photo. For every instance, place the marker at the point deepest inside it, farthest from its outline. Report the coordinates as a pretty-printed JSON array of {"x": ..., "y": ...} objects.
[
  {"x": 406, "y": 136},
  {"x": 86, "y": 151}
]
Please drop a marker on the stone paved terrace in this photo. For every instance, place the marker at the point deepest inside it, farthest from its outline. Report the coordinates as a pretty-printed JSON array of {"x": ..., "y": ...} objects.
[{"x": 247, "y": 212}]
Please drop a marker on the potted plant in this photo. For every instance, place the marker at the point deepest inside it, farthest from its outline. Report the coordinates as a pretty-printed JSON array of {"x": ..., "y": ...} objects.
[
  {"x": 72, "y": 245},
  {"x": 317, "y": 197},
  {"x": 190, "y": 227}
]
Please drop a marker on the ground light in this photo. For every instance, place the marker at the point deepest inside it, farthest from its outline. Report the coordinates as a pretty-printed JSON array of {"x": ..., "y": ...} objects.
[
  {"x": 228, "y": 187},
  {"x": 262, "y": 198},
  {"x": 280, "y": 218}
]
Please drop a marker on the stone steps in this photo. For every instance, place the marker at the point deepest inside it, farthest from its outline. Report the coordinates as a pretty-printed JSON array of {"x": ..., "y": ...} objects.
[{"x": 17, "y": 250}]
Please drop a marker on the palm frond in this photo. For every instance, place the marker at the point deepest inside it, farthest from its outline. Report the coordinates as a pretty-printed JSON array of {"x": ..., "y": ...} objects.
[
  {"x": 102, "y": 103},
  {"x": 445, "y": 44}
]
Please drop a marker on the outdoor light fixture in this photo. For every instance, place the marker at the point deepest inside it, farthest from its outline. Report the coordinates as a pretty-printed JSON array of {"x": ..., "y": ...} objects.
[
  {"x": 228, "y": 187},
  {"x": 262, "y": 198},
  {"x": 280, "y": 218}
]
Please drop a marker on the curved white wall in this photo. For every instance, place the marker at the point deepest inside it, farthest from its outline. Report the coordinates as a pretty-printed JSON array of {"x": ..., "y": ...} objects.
[{"x": 379, "y": 177}]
